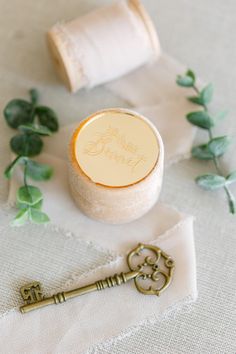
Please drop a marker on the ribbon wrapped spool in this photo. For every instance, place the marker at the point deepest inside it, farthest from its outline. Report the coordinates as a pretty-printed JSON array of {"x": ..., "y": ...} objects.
[
  {"x": 116, "y": 166},
  {"x": 103, "y": 45}
]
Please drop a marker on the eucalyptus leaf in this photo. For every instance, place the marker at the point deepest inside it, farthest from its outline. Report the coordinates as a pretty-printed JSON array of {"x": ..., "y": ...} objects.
[
  {"x": 18, "y": 112},
  {"x": 26, "y": 144},
  {"x": 201, "y": 119},
  {"x": 39, "y": 171},
  {"x": 20, "y": 205},
  {"x": 215, "y": 147},
  {"x": 10, "y": 168},
  {"x": 37, "y": 129},
  {"x": 202, "y": 152},
  {"x": 218, "y": 146},
  {"x": 37, "y": 205},
  {"x": 211, "y": 181},
  {"x": 196, "y": 99},
  {"x": 38, "y": 217},
  {"x": 29, "y": 195},
  {"x": 231, "y": 178},
  {"x": 185, "y": 81},
  {"x": 191, "y": 74},
  {"x": 207, "y": 94},
  {"x": 21, "y": 218},
  {"x": 47, "y": 117},
  {"x": 33, "y": 96}
]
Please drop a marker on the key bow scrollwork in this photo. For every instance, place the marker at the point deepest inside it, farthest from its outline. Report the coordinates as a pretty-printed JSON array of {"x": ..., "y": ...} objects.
[{"x": 155, "y": 266}]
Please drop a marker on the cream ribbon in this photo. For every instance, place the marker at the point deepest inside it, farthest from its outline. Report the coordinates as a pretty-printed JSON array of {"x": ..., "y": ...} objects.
[{"x": 104, "y": 44}]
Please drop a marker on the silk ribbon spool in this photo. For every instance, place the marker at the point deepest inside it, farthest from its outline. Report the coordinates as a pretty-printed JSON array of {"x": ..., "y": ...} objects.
[
  {"x": 103, "y": 45},
  {"x": 116, "y": 166}
]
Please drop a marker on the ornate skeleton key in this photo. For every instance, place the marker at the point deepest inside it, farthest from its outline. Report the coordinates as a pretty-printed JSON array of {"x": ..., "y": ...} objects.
[{"x": 150, "y": 267}]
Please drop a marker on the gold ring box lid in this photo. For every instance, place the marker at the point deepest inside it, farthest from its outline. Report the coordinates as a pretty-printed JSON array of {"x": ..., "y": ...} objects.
[{"x": 115, "y": 148}]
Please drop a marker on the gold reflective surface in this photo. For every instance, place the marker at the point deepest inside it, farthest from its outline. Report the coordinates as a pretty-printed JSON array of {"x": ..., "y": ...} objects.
[{"x": 116, "y": 148}]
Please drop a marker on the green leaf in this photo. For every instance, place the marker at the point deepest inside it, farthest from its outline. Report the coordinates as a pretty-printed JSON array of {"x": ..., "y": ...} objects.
[
  {"x": 231, "y": 178},
  {"x": 21, "y": 205},
  {"x": 184, "y": 81},
  {"x": 33, "y": 96},
  {"x": 204, "y": 97},
  {"x": 191, "y": 74},
  {"x": 38, "y": 205},
  {"x": 201, "y": 119},
  {"x": 218, "y": 146},
  {"x": 40, "y": 129},
  {"x": 47, "y": 117},
  {"x": 29, "y": 195},
  {"x": 21, "y": 218},
  {"x": 26, "y": 144},
  {"x": 9, "y": 170},
  {"x": 24, "y": 206},
  {"x": 196, "y": 100},
  {"x": 210, "y": 181},
  {"x": 18, "y": 112},
  {"x": 207, "y": 94},
  {"x": 202, "y": 152},
  {"x": 38, "y": 217},
  {"x": 38, "y": 171}
]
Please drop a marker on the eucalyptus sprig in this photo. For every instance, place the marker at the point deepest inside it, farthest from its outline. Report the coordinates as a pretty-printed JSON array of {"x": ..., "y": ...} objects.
[
  {"x": 215, "y": 147},
  {"x": 32, "y": 121}
]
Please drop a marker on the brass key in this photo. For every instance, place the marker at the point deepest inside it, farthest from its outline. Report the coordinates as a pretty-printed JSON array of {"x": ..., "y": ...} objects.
[{"x": 152, "y": 274}]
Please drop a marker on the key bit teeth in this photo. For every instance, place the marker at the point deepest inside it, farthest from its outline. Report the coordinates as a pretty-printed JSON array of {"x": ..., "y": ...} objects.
[{"x": 32, "y": 292}]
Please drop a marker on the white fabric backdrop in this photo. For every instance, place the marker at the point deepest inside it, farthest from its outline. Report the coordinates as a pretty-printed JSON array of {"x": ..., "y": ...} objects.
[{"x": 201, "y": 35}]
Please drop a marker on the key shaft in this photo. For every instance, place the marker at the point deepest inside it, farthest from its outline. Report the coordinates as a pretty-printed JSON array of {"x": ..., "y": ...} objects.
[{"x": 61, "y": 297}]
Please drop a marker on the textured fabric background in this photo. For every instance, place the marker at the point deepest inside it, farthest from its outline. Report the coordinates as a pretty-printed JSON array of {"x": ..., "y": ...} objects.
[{"x": 202, "y": 35}]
